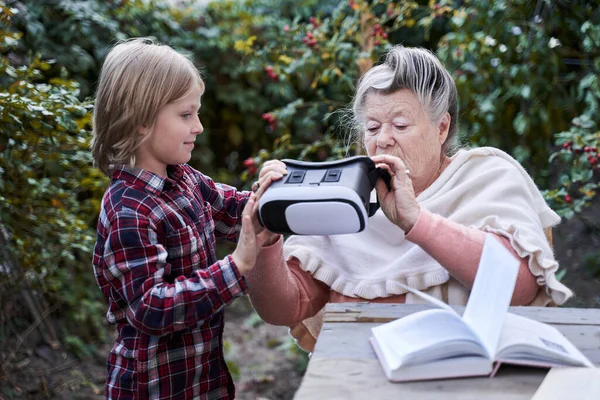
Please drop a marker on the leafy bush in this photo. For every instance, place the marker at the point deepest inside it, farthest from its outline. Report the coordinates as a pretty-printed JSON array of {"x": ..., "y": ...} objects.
[
  {"x": 578, "y": 154},
  {"x": 49, "y": 192}
]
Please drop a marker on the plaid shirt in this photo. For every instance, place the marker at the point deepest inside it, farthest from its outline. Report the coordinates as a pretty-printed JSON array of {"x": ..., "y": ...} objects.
[{"x": 156, "y": 263}]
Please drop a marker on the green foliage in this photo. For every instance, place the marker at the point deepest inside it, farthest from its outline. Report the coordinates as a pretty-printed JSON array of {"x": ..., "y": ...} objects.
[
  {"x": 508, "y": 70},
  {"x": 78, "y": 346},
  {"x": 78, "y": 33},
  {"x": 592, "y": 263},
  {"x": 232, "y": 365},
  {"x": 578, "y": 154},
  {"x": 49, "y": 193}
]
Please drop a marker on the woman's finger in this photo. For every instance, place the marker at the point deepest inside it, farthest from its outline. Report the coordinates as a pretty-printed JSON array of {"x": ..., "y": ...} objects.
[
  {"x": 386, "y": 167},
  {"x": 265, "y": 182},
  {"x": 276, "y": 164},
  {"x": 395, "y": 164},
  {"x": 273, "y": 165},
  {"x": 382, "y": 189}
]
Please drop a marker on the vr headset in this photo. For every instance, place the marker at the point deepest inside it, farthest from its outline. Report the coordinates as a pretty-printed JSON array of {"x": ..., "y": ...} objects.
[{"x": 322, "y": 198}]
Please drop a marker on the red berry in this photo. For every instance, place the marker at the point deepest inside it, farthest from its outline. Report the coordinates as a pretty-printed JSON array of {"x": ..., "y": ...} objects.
[
  {"x": 377, "y": 43},
  {"x": 568, "y": 198},
  {"x": 595, "y": 149},
  {"x": 587, "y": 149},
  {"x": 248, "y": 162},
  {"x": 269, "y": 68},
  {"x": 384, "y": 35},
  {"x": 566, "y": 145},
  {"x": 268, "y": 117},
  {"x": 286, "y": 28},
  {"x": 593, "y": 160}
]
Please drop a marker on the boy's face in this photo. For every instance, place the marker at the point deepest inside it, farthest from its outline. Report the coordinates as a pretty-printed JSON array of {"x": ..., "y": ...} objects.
[{"x": 172, "y": 137}]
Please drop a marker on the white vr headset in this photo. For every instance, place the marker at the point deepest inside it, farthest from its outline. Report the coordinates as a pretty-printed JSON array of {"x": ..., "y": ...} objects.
[{"x": 322, "y": 198}]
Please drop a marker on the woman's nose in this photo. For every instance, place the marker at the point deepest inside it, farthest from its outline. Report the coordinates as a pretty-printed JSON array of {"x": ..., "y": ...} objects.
[{"x": 385, "y": 137}]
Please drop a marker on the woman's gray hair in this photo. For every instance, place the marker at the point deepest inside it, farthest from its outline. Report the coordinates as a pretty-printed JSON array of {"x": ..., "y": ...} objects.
[{"x": 418, "y": 70}]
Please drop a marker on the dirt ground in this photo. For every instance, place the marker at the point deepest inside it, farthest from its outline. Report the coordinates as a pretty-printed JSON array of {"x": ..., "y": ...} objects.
[{"x": 262, "y": 358}]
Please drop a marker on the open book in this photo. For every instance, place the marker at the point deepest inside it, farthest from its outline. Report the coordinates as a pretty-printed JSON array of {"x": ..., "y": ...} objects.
[{"x": 439, "y": 343}]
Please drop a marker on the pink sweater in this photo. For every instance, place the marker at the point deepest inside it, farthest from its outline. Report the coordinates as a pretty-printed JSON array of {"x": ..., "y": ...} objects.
[{"x": 284, "y": 294}]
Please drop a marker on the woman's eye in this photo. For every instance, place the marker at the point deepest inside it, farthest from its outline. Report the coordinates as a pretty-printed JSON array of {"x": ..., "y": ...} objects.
[
  {"x": 186, "y": 115},
  {"x": 401, "y": 127},
  {"x": 373, "y": 129}
]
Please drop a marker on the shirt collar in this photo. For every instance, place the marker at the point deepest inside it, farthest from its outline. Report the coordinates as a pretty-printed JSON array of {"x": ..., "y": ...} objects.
[{"x": 148, "y": 180}]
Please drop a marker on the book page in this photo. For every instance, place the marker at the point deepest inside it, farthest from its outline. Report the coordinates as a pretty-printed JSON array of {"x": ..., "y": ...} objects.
[
  {"x": 491, "y": 293},
  {"x": 425, "y": 336},
  {"x": 537, "y": 343},
  {"x": 430, "y": 299}
]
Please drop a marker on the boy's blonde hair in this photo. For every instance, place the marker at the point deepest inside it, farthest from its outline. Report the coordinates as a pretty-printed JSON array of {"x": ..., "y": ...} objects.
[{"x": 138, "y": 78}]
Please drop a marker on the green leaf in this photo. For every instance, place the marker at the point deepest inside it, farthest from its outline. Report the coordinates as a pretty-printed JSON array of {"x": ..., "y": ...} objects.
[{"x": 520, "y": 124}]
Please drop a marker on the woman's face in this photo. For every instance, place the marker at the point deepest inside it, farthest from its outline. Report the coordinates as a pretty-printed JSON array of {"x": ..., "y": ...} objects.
[{"x": 397, "y": 124}]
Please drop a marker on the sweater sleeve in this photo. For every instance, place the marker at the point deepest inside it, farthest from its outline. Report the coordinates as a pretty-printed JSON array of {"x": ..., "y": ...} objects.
[
  {"x": 281, "y": 292},
  {"x": 458, "y": 248}
]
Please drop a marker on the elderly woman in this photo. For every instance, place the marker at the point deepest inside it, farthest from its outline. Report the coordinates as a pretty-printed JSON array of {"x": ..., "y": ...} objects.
[{"x": 430, "y": 231}]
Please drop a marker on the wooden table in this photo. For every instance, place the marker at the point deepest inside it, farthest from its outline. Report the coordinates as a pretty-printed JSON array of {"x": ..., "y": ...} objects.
[{"x": 344, "y": 366}]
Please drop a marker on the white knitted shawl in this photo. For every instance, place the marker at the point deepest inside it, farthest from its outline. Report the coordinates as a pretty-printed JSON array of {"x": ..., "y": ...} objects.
[{"x": 483, "y": 188}]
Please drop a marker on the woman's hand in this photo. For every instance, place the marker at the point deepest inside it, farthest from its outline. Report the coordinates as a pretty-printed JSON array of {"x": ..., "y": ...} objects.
[
  {"x": 399, "y": 204},
  {"x": 271, "y": 170}
]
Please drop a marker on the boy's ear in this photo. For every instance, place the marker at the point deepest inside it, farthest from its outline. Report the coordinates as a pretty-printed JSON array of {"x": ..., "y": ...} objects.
[{"x": 144, "y": 130}]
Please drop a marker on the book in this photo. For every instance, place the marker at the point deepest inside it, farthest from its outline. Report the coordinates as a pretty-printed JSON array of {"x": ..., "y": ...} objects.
[
  {"x": 440, "y": 344},
  {"x": 570, "y": 383}
]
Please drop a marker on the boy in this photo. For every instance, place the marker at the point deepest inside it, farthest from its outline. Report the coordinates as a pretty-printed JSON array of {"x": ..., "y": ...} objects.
[{"x": 155, "y": 257}]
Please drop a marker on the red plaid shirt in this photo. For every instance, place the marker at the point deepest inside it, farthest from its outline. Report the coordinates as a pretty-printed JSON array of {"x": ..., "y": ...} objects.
[{"x": 155, "y": 261}]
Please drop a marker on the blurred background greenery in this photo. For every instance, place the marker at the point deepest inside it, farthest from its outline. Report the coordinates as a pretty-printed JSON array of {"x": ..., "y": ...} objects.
[{"x": 279, "y": 75}]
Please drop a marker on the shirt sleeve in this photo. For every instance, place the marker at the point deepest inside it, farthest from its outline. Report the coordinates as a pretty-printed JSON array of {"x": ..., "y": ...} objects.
[
  {"x": 281, "y": 292},
  {"x": 227, "y": 206},
  {"x": 136, "y": 264},
  {"x": 456, "y": 247}
]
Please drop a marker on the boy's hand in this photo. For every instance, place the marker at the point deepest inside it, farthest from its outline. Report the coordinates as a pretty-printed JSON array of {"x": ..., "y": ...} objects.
[
  {"x": 253, "y": 235},
  {"x": 249, "y": 242},
  {"x": 272, "y": 170}
]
